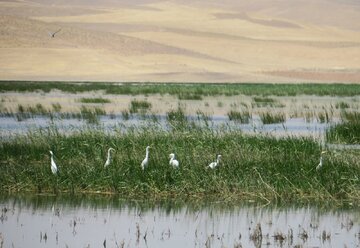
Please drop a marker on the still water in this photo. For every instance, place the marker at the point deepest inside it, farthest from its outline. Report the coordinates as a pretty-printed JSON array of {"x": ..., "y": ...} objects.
[
  {"x": 293, "y": 126},
  {"x": 99, "y": 221}
]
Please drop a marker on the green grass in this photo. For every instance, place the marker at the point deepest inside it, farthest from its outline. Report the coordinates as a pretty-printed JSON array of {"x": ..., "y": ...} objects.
[
  {"x": 38, "y": 109},
  {"x": 95, "y": 100},
  {"x": 91, "y": 115},
  {"x": 344, "y": 133},
  {"x": 259, "y": 168},
  {"x": 348, "y": 131},
  {"x": 263, "y": 100},
  {"x": 56, "y": 107},
  {"x": 125, "y": 115},
  {"x": 195, "y": 89},
  {"x": 323, "y": 117},
  {"x": 27, "y": 112},
  {"x": 350, "y": 116},
  {"x": 342, "y": 105},
  {"x": 137, "y": 106},
  {"x": 242, "y": 117},
  {"x": 271, "y": 118},
  {"x": 177, "y": 119}
]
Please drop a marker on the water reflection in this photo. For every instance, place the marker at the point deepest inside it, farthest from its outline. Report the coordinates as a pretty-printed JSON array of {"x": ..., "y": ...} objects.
[{"x": 98, "y": 221}]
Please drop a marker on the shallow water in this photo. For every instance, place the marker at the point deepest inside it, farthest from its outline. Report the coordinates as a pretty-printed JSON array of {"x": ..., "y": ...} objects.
[
  {"x": 291, "y": 127},
  {"x": 39, "y": 221}
]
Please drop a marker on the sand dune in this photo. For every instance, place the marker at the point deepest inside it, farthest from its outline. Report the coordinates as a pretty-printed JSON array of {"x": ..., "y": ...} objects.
[{"x": 181, "y": 40}]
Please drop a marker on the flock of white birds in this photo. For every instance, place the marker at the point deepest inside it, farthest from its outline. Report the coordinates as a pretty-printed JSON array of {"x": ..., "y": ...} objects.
[{"x": 173, "y": 162}]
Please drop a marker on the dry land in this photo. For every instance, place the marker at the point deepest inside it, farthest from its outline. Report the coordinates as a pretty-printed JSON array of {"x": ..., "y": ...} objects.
[{"x": 181, "y": 41}]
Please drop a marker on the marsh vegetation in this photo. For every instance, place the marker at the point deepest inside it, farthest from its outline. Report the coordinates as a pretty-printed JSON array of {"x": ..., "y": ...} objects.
[{"x": 262, "y": 167}]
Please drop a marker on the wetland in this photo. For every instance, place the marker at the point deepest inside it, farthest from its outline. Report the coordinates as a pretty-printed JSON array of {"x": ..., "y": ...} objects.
[{"x": 270, "y": 138}]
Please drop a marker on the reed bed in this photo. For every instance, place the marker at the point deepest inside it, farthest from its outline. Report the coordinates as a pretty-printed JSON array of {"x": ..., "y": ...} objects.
[
  {"x": 94, "y": 100},
  {"x": 263, "y": 168},
  {"x": 182, "y": 89},
  {"x": 137, "y": 106},
  {"x": 242, "y": 117},
  {"x": 271, "y": 118}
]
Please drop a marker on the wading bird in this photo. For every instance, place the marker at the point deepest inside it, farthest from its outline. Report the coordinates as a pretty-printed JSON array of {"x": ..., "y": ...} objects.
[
  {"x": 216, "y": 163},
  {"x": 108, "y": 160},
  {"x": 318, "y": 167},
  {"x": 173, "y": 162},
  {"x": 54, "y": 168},
  {"x": 145, "y": 162},
  {"x": 52, "y": 34}
]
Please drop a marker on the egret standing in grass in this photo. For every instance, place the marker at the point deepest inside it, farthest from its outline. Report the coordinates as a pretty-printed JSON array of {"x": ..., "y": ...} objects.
[
  {"x": 173, "y": 162},
  {"x": 108, "y": 160},
  {"x": 213, "y": 165},
  {"x": 54, "y": 168},
  {"x": 318, "y": 167},
  {"x": 145, "y": 162}
]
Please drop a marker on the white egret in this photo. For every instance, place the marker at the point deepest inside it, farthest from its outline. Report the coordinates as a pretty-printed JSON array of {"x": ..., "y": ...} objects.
[
  {"x": 108, "y": 160},
  {"x": 318, "y": 167},
  {"x": 54, "y": 168},
  {"x": 145, "y": 162},
  {"x": 216, "y": 163},
  {"x": 173, "y": 162}
]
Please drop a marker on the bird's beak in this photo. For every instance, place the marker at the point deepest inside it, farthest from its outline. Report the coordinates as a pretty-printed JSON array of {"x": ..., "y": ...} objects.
[{"x": 323, "y": 152}]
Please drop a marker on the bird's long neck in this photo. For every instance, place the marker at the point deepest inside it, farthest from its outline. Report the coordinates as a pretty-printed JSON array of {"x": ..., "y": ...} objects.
[
  {"x": 147, "y": 153},
  {"x": 109, "y": 153},
  {"x": 218, "y": 160}
]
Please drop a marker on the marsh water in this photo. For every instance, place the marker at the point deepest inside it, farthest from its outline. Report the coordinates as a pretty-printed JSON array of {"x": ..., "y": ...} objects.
[
  {"x": 293, "y": 126},
  {"x": 104, "y": 221}
]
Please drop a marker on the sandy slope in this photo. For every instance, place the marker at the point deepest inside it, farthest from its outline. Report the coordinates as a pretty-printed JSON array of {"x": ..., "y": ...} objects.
[{"x": 181, "y": 40}]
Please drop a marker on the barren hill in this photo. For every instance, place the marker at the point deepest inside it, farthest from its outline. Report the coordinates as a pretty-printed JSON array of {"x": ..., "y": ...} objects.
[{"x": 210, "y": 41}]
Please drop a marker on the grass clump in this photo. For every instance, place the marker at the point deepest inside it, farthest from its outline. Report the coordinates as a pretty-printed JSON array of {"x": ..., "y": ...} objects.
[
  {"x": 346, "y": 132},
  {"x": 323, "y": 117},
  {"x": 342, "y": 105},
  {"x": 262, "y": 168},
  {"x": 352, "y": 117},
  {"x": 56, "y": 107},
  {"x": 27, "y": 112},
  {"x": 91, "y": 115},
  {"x": 177, "y": 119},
  {"x": 263, "y": 100},
  {"x": 95, "y": 100},
  {"x": 38, "y": 109},
  {"x": 266, "y": 102},
  {"x": 139, "y": 106},
  {"x": 271, "y": 118},
  {"x": 242, "y": 117},
  {"x": 125, "y": 115}
]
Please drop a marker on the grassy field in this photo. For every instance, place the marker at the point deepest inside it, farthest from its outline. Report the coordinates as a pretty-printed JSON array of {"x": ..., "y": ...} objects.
[
  {"x": 258, "y": 168},
  {"x": 187, "y": 91}
]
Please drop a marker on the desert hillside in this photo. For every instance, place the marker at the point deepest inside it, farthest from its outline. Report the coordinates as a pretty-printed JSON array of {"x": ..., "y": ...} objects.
[{"x": 181, "y": 40}]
